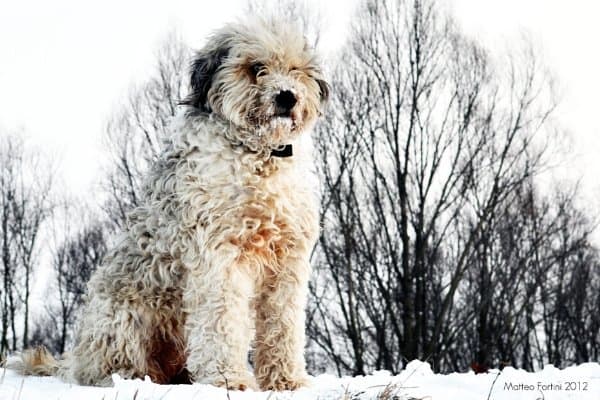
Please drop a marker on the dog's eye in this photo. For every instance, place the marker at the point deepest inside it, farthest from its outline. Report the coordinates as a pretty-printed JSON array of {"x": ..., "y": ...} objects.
[{"x": 256, "y": 68}]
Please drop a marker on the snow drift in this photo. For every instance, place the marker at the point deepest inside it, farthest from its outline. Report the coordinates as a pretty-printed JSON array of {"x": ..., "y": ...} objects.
[{"x": 417, "y": 381}]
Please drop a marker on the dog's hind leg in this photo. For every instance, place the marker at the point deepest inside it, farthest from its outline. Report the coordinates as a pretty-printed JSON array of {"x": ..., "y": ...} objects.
[
  {"x": 112, "y": 339},
  {"x": 219, "y": 323}
]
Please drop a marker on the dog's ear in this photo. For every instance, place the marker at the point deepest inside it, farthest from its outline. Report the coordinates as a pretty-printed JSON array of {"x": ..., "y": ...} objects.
[
  {"x": 324, "y": 89},
  {"x": 205, "y": 65}
]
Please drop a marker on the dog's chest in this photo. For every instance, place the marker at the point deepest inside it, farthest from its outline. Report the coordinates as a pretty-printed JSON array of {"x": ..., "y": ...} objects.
[
  {"x": 276, "y": 218},
  {"x": 263, "y": 214},
  {"x": 266, "y": 217}
]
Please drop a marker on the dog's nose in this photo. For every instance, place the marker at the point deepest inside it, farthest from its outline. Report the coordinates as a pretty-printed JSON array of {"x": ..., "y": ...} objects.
[{"x": 286, "y": 100}]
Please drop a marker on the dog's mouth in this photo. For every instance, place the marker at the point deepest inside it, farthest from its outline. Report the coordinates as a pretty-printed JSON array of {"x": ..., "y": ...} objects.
[
  {"x": 283, "y": 121},
  {"x": 283, "y": 113},
  {"x": 286, "y": 121},
  {"x": 286, "y": 117},
  {"x": 278, "y": 120}
]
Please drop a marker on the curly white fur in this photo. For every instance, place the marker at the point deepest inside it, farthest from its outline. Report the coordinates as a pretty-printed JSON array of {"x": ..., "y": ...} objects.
[{"x": 217, "y": 257}]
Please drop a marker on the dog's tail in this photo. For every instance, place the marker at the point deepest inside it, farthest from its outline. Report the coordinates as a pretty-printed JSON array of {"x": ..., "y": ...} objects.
[{"x": 37, "y": 361}]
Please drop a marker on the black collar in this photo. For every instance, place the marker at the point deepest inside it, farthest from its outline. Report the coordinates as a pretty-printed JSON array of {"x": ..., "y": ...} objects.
[{"x": 285, "y": 152}]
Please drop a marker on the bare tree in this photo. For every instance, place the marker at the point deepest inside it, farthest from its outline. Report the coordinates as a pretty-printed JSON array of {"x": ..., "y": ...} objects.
[
  {"x": 570, "y": 288},
  {"x": 519, "y": 268},
  {"x": 25, "y": 187},
  {"x": 426, "y": 141},
  {"x": 135, "y": 131},
  {"x": 308, "y": 18},
  {"x": 45, "y": 332},
  {"x": 80, "y": 245}
]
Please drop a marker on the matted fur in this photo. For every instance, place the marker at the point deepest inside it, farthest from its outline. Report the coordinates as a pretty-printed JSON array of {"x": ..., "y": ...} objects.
[{"x": 217, "y": 256}]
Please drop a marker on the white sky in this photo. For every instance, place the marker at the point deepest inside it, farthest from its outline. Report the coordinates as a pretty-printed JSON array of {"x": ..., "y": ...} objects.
[
  {"x": 65, "y": 64},
  {"x": 568, "y": 33}
]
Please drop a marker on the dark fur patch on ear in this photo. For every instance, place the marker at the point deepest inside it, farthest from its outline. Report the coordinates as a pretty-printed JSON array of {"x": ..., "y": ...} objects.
[
  {"x": 324, "y": 88},
  {"x": 203, "y": 68}
]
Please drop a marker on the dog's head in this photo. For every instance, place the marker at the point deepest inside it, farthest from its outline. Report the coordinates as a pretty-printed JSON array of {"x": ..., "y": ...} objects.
[{"x": 263, "y": 78}]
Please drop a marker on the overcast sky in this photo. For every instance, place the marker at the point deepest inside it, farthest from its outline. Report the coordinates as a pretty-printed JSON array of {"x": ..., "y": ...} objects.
[{"x": 65, "y": 64}]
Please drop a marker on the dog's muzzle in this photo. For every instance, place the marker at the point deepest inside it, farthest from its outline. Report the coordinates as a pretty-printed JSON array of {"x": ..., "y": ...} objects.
[{"x": 285, "y": 102}]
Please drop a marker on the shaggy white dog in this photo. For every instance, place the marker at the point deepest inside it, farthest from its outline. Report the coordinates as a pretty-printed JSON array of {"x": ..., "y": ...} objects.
[{"x": 217, "y": 257}]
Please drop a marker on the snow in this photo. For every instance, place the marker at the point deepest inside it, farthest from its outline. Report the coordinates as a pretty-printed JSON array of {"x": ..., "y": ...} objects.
[{"x": 416, "y": 382}]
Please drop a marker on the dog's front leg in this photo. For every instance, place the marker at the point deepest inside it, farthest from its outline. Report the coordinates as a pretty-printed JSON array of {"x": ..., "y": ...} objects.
[
  {"x": 280, "y": 336},
  {"x": 219, "y": 323}
]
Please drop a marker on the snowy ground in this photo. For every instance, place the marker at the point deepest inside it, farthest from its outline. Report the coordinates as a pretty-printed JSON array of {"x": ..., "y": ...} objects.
[{"x": 416, "y": 382}]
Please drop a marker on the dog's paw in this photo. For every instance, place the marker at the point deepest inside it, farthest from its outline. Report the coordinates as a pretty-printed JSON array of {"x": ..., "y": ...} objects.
[
  {"x": 282, "y": 383},
  {"x": 236, "y": 382}
]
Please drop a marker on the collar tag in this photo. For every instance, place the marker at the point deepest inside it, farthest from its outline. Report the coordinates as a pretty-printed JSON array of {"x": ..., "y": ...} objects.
[{"x": 285, "y": 152}]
